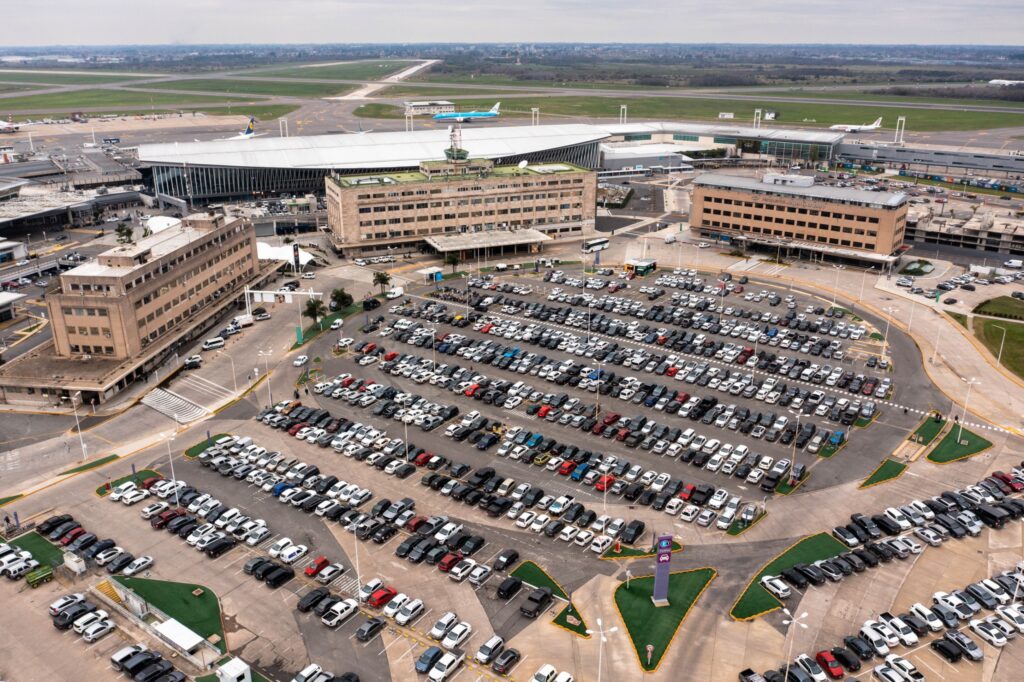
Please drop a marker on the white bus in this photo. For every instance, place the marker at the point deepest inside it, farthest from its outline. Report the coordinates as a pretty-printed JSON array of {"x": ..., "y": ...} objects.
[{"x": 592, "y": 245}]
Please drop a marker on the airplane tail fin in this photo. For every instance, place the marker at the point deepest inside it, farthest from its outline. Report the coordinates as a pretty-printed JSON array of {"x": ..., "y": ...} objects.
[
  {"x": 251, "y": 128},
  {"x": 494, "y": 109},
  {"x": 877, "y": 123}
]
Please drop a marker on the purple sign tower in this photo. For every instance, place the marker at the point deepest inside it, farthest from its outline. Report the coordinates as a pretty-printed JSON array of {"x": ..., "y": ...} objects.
[{"x": 663, "y": 549}]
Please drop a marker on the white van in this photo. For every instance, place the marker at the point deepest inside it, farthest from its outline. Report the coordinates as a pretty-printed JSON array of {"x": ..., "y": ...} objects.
[
  {"x": 215, "y": 342},
  {"x": 394, "y": 293},
  {"x": 670, "y": 239}
]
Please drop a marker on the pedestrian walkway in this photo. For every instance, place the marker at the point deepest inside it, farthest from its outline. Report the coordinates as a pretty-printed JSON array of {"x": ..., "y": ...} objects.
[
  {"x": 179, "y": 408},
  {"x": 200, "y": 390}
]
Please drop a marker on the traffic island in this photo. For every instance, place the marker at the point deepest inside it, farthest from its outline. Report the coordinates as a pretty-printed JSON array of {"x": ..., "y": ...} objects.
[
  {"x": 958, "y": 444},
  {"x": 535, "y": 576},
  {"x": 928, "y": 429},
  {"x": 888, "y": 470},
  {"x": 624, "y": 552},
  {"x": 651, "y": 628},
  {"x": 204, "y": 445},
  {"x": 137, "y": 477},
  {"x": 756, "y": 601},
  {"x": 739, "y": 526},
  {"x": 570, "y": 619},
  {"x": 89, "y": 465},
  {"x": 194, "y": 606}
]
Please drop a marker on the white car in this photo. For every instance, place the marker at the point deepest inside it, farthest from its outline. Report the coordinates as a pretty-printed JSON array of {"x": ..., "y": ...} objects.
[
  {"x": 138, "y": 566},
  {"x": 1013, "y": 616},
  {"x": 928, "y": 616},
  {"x": 279, "y": 546},
  {"x": 811, "y": 667},
  {"x": 457, "y": 635},
  {"x": 443, "y": 625},
  {"x": 600, "y": 544},
  {"x": 300, "y": 361},
  {"x": 393, "y": 606},
  {"x": 539, "y": 523},
  {"x": 257, "y": 535},
  {"x": 461, "y": 570},
  {"x": 88, "y": 619},
  {"x": 108, "y": 555},
  {"x": 988, "y": 632},
  {"x": 409, "y": 612},
  {"x": 134, "y": 496},
  {"x": 329, "y": 573},
  {"x": 97, "y": 630},
  {"x": 774, "y": 585},
  {"x": 293, "y": 553},
  {"x": 120, "y": 491},
  {"x": 583, "y": 538},
  {"x": 151, "y": 510},
  {"x": 689, "y": 513},
  {"x": 525, "y": 519},
  {"x": 340, "y": 612}
]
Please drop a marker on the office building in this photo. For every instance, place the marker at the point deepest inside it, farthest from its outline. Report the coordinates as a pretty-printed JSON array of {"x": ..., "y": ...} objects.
[
  {"x": 446, "y": 205},
  {"x": 792, "y": 214},
  {"x": 429, "y": 107}
]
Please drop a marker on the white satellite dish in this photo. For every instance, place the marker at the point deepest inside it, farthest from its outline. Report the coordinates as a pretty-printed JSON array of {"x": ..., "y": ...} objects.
[{"x": 523, "y": 164}]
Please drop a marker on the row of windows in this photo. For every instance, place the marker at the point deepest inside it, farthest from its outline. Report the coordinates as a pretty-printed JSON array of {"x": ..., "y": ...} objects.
[
  {"x": 792, "y": 209},
  {"x": 472, "y": 188},
  {"x": 187, "y": 314},
  {"x": 468, "y": 214},
  {"x": 467, "y": 202},
  {"x": 476, "y": 227},
  {"x": 196, "y": 250},
  {"x": 94, "y": 350},
  {"x": 790, "y": 235},
  {"x": 99, "y": 288},
  {"x": 90, "y": 331},
  {"x": 85, "y": 312},
  {"x": 794, "y": 222},
  {"x": 194, "y": 272}
]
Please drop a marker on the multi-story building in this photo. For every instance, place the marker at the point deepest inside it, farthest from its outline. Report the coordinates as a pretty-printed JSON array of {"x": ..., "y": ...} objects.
[
  {"x": 466, "y": 197},
  {"x": 421, "y": 107},
  {"x": 791, "y": 213},
  {"x": 116, "y": 317}
]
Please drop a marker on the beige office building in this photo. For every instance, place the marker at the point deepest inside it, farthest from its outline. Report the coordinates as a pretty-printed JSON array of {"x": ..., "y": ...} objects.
[
  {"x": 791, "y": 213},
  {"x": 446, "y": 201},
  {"x": 116, "y": 317}
]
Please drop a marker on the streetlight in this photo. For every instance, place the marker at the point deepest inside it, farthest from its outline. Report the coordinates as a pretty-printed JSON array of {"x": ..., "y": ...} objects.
[
  {"x": 885, "y": 337},
  {"x": 790, "y": 622},
  {"x": 600, "y": 631},
  {"x": 999, "y": 358},
  {"x": 170, "y": 458},
  {"x": 78, "y": 425},
  {"x": 970, "y": 385},
  {"x": 234, "y": 379},
  {"x": 265, "y": 354},
  {"x": 863, "y": 280}
]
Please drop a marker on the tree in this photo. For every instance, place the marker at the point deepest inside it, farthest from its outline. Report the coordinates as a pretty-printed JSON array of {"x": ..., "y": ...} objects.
[
  {"x": 315, "y": 309},
  {"x": 453, "y": 260},
  {"x": 125, "y": 233},
  {"x": 341, "y": 299},
  {"x": 381, "y": 279}
]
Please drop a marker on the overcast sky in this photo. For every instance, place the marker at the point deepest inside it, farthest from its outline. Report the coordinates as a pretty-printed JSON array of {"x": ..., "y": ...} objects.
[{"x": 115, "y": 22}]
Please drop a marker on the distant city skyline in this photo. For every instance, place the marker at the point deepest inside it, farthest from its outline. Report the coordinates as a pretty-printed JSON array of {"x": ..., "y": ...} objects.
[{"x": 106, "y": 22}]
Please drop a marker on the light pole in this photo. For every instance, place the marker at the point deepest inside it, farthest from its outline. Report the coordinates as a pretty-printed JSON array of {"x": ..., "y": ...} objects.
[
  {"x": 863, "y": 280},
  {"x": 970, "y": 385},
  {"x": 790, "y": 622},
  {"x": 999, "y": 358},
  {"x": 170, "y": 458},
  {"x": 78, "y": 425},
  {"x": 885, "y": 337},
  {"x": 265, "y": 354},
  {"x": 234, "y": 380},
  {"x": 601, "y": 632}
]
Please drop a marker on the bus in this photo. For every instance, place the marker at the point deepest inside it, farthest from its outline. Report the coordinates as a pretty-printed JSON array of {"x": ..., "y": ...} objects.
[{"x": 592, "y": 245}]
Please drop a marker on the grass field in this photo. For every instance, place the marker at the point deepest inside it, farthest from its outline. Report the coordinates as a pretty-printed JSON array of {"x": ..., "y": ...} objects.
[
  {"x": 926, "y": 432},
  {"x": 352, "y": 71},
  {"x": 49, "y": 78},
  {"x": 571, "y": 619},
  {"x": 648, "y": 624},
  {"x": 90, "y": 465},
  {"x": 676, "y": 108},
  {"x": 12, "y": 87},
  {"x": 42, "y": 549},
  {"x": 107, "y": 98},
  {"x": 283, "y": 88},
  {"x": 960, "y": 318},
  {"x": 991, "y": 333},
  {"x": 442, "y": 91},
  {"x": 738, "y": 527},
  {"x": 1001, "y": 306},
  {"x": 9, "y": 499},
  {"x": 139, "y": 476},
  {"x": 756, "y": 601},
  {"x": 879, "y": 97},
  {"x": 532, "y": 574},
  {"x": 950, "y": 450},
  {"x": 264, "y": 112},
  {"x": 199, "y": 447},
  {"x": 887, "y": 470},
  {"x": 378, "y": 110},
  {"x": 200, "y": 614},
  {"x": 626, "y": 552}
]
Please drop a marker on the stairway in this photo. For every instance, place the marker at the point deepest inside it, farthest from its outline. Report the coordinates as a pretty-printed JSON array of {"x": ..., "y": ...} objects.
[{"x": 108, "y": 591}]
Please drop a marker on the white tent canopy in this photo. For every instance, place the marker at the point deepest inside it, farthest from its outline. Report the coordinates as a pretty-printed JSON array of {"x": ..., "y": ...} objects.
[{"x": 265, "y": 251}]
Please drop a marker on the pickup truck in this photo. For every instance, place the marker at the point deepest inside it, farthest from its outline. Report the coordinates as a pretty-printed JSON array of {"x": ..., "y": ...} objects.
[
  {"x": 536, "y": 602},
  {"x": 446, "y": 665},
  {"x": 749, "y": 675}
]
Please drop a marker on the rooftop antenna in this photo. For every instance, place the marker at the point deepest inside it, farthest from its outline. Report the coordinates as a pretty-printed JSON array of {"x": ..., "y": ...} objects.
[{"x": 523, "y": 164}]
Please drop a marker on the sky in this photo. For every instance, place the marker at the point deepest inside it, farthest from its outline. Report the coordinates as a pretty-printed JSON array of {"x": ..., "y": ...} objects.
[{"x": 119, "y": 22}]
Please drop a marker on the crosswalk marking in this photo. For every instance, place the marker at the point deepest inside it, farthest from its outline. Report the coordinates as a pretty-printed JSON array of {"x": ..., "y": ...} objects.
[{"x": 175, "y": 406}]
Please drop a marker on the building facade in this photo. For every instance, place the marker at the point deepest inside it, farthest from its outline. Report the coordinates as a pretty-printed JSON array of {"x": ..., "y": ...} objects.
[
  {"x": 792, "y": 212},
  {"x": 374, "y": 212},
  {"x": 135, "y": 295},
  {"x": 431, "y": 107}
]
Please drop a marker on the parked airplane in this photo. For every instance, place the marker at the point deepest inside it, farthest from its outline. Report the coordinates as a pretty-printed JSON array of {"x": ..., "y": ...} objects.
[
  {"x": 248, "y": 133},
  {"x": 468, "y": 116},
  {"x": 1001, "y": 81},
  {"x": 9, "y": 126},
  {"x": 857, "y": 129}
]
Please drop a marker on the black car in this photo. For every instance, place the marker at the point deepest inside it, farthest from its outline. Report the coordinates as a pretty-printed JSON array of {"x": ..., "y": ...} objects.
[
  {"x": 505, "y": 560},
  {"x": 138, "y": 662},
  {"x": 67, "y": 618},
  {"x": 369, "y": 629},
  {"x": 947, "y": 650},
  {"x": 120, "y": 562},
  {"x": 858, "y": 646},
  {"x": 253, "y": 564},
  {"x": 406, "y": 546},
  {"x": 279, "y": 576},
  {"x": 795, "y": 578},
  {"x": 52, "y": 523},
  {"x": 427, "y": 659},
  {"x": 632, "y": 532},
  {"x": 264, "y": 569},
  {"x": 509, "y": 587},
  {"x": 846, "y": 659},
  {"x": 472, "y": 545},
  {"x": 505, "y": 661},
  {"x": 98, "y": 547},
  {"x": 219, "y": 547},
  {"x": 153, "y": 671},
  {"x": 312, "y": 598}
]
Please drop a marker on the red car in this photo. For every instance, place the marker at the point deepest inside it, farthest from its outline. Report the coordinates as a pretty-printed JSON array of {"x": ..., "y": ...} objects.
[
  {"x": 567, "y": 467},
  {"x": 471, "y": 390},
  {"x": 318, "y": 564},
  {"x": 486, "y": 329},
  {"x": 687, "y": 492},
  {"x": 1009, "y": 480},
  {"x": 611, "y": 418},
  {"x": 381, "y": 597},
  {"x": 830, "y": 665},
  {"x": 449, "y": 560},
  {"x": 370, "y": 347},
  {"x": 165, "y": 518},
  {"x": 151, "y": 481},
  {"x": 347, "y": 382},
  {"x": 604, "y": 483},
  {"x": 71, "y": 535},
  {"x": 415, "y": 522},
  {"x": 295, "y": 428},
  {"x": 671, "y": 371},
  {"x": 543, "y": 411},
  {"x": 423, "y": 458},
  {"x": 391, "y": 356}
]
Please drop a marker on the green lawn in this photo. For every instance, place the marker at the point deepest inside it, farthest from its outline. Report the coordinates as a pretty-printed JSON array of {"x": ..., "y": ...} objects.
[
  {"x": 253, "y": 87},
  {"x": 572, "y": 620},
  {"x": 377, "y": 110},
  {"x": 991, "y": 333},
  {"x": 738, "y": 527},
  {"x": 627, "y": 552},
  {"x": 1001, "y": 306},
  {"x": 15, "y": 87},
  {"x": 886, "y": 471},
  {"x": 108, "y": 98},
  {"x": 950, "y": 450},
  {"x": 352, "y": 71},
  {"x": 49, "y": 78},
  {"x": 200, "y": 614},
  {"x": 8, "y": 500},
  {"x": 199, "y": 447},
  {"x": 138, "y": 477},
  {"x": 929, "y": 428},
  {"x": 648, "y": 624},
  {"x": 419, "y": 92},
  {"x": 90, "y": 465},
  {"x": 681, "y": 108},
  {"x": 756, "y": 601},
  {"x": 532, "y": 574},
  {"x": 882, "y": 97},
  {"x": 959, "y": 317},
  {"x": 917, "y": 268},
  {"x": 42, "y": 549}
]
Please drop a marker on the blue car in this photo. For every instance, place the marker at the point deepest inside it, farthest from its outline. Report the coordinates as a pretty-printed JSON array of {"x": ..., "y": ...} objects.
[
  {"x": 534, "y": 439},
  {"x": 579, "y": 472},
  {"x": 281, "y": 487}
]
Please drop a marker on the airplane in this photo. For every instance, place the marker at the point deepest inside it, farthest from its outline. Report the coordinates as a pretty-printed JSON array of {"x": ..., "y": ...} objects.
[
  {"x": 469, "y": 116},
  {"x": 9, "y": 126},
  {"x": 1000, "y": 81},
  {"x": 248, "y": 133},
  {"x": 857, "y": 129}
]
